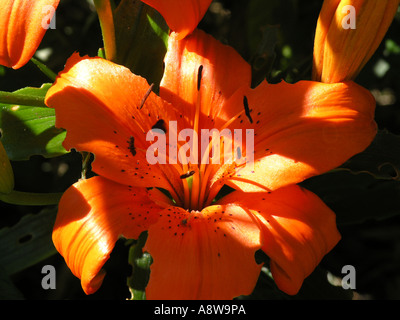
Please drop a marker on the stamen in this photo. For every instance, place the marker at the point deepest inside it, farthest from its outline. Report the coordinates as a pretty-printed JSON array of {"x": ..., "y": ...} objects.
[
  {"x": 199, "y": 75},
  {"x": 187, "y": 174},
  {"x": 196, "y": 181},
  {"x": 247, "y": 109},
  {"x": 146, "y": 95}
]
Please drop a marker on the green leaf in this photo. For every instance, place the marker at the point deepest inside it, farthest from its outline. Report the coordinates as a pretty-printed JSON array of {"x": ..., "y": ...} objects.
[
  {"x": 264, "y": 57},
  {"x": 28, "y": 242},
  {"x": 381, "y": 159},
  {"x": 367, "y": 186},
  {"x": 315, "y": 286},
  {"x": 6, "y": 172},
  {"x": 140, "y": 262},
  {"x": 30, "y": 198},
  {"x": 8, "y": 291},
  {"x": 141, "y": 39},
  {"x": 356, "y": 198},
  {"x": 30, "y": 130},
  {"x": 45, "y": 69}
]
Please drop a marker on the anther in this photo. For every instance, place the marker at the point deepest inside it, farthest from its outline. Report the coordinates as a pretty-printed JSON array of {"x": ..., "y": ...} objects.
[
  {"x": 199, "y": 75},
  {"x": 187, "y": 174},
  {"x": 247, "y": 109},
  {"x": 146, "y": 95}
]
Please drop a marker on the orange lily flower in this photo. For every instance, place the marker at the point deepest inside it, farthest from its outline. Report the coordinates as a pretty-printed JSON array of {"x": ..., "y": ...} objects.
[
  {"x": 22, "y": 27},
  {"x": 340, "y": 52},
  {"x": 202, "y": 248},
  {"x": 181, "y": 16}
]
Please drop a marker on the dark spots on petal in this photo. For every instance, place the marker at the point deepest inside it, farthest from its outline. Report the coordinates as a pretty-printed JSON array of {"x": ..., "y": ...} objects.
[{"x": 131, "y": 145}]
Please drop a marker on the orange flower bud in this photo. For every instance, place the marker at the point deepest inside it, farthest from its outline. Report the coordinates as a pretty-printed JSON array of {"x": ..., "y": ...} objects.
[
  {"x": 347, "y": 35},
  {"x": 22, "y": 27}
]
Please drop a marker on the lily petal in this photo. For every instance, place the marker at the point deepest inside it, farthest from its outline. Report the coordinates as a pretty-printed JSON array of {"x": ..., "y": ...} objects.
[
  {"x": 22, "y": 27},
  {"x": 301, "y": 130},
  {"x": 100, "y": 104},
  {"x": 208, "y": 255},
  {"x": 298, "y": 230},
  {"x": 92, "y": 215},
  {"x": 340, "y": 53},
  {"x": 181, "y": 16},
  {"x": 198, "y": 75}
]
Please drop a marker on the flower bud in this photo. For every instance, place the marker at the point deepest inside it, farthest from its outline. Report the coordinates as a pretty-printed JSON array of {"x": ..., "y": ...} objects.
[
  {"x": 22, "y": 27},
  {"x": 347, "y": 35}
]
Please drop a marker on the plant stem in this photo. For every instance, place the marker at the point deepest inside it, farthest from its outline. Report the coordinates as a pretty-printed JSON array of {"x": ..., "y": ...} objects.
[
  {"x": 46, "y": 70},
  {"x": 31, "y": 199},
  {"x": 105, "y": 12},
  {"x": 21, "y": 99}
]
